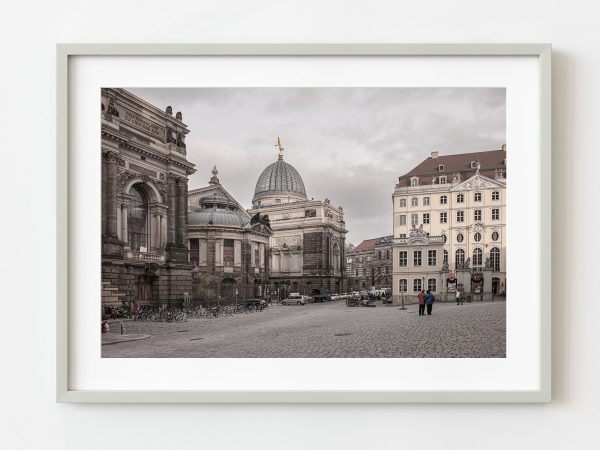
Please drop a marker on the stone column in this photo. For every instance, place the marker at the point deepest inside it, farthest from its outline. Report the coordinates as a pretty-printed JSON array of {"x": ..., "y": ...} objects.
[
  {"x": 487, "y": 283},
  {"x": 111, "y": 193},
  {"x": 125, "y": 231},
  {"x": 444, "y": 286},
  {"x": 171, "y": 213},
  {"x": 180, "y": 228},
  {"x": 104, "y": 193},
  {"x": 112, "y": 246}
]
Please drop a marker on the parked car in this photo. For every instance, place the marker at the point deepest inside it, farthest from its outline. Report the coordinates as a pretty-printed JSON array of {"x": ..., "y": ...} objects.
[
  {"x": 336, "y": 297},
  {"x": 256, "y": 302},
  {"x": 320, "y": 295},
  {"x": 294, "y": 299}
]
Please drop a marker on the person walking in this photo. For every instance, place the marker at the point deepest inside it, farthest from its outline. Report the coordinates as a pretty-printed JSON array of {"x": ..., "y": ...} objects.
[
  {"x": 135, "y": 311},
  {"x": 429, "y": 299},
  {"x": 421, "y": 297}
]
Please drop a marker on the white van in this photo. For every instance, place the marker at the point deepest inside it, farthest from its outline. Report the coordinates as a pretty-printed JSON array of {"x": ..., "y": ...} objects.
[{"x": 294, "y": 299}]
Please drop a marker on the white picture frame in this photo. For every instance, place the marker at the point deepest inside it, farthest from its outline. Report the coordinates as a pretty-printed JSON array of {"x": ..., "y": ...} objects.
[{"x": 542, "y": 261}]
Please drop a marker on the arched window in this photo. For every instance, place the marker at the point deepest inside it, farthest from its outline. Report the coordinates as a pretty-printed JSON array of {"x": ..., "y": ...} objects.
[
  {"x": 477, "y": 236},
  {"x": 403, "y": 284},
  {"x": 459, "y": 257},
  {"x": 432, "y": 284},
  {"x": 495, "y": 258},
  {"x": 137, "y": 219},
  {"x": 477, "y": 257},
  {"x": 417, "y": 286}
]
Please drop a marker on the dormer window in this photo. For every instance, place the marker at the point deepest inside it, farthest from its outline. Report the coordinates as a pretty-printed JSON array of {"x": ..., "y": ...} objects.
[
  {"x": 414, "y": 181},
  {"x": 441, "y": 168},
  {"x": 473, "y": 164},
  {"x": 443, "y": 179}
]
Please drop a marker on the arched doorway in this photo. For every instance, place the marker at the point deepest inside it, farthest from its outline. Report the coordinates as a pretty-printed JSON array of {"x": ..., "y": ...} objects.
[{"x": 228, "y": 288}]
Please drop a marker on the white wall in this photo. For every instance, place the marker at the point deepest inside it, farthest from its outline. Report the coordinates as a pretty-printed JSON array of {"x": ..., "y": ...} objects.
[{"x": 30, "y": 418}]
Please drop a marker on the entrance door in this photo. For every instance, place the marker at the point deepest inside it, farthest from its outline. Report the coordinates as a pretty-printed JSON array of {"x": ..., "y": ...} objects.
[
  {"x": 144, "y": 290},
  {"x": 496, "y": 286}
]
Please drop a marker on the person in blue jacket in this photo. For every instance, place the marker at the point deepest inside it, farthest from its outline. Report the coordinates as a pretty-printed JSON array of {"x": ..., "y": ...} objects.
[{"x": 429, "y": 299}]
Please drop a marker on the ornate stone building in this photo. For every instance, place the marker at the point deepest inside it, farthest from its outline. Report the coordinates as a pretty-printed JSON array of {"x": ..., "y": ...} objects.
[
  {"x": 369, "y": 264},
  {"x": 144, "y": 202},
  {"x": 450, "y": 226},
  {"x": 228, "y": 246},
  {"x": 306, "y": 249}
]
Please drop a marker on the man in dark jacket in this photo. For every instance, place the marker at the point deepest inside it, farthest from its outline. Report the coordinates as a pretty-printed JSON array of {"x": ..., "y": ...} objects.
[{"x": 429, "y": 299}]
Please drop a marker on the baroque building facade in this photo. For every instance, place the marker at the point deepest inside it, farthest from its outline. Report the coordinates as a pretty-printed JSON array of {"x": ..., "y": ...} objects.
[
  {"x": 449, "y": 218},
  {"x": 307, "y": 245},
  {"x": 144, "y": 202},
  {"x": 369, "y": 264},
  {"x": 228, "y": 247}
]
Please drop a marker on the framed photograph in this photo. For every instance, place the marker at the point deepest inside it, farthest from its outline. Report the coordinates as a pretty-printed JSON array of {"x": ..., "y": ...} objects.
[{"x": 303, "y": 223}]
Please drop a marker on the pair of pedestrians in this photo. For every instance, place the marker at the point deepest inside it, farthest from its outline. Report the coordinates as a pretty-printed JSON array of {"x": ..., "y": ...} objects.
[{"x": 425, "y": 299}]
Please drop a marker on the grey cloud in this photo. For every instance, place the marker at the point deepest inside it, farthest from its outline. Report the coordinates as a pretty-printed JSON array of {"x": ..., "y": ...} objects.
[{"x": 349, "y": 144}]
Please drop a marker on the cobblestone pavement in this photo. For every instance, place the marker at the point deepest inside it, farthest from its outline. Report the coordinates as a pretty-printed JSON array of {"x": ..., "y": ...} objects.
[{"x": 329, "y": 330}]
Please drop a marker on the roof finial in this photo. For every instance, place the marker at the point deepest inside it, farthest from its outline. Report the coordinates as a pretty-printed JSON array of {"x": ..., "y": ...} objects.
[
  {"x": 214, "y": 179},
  {"x": 280, "y": 145}
]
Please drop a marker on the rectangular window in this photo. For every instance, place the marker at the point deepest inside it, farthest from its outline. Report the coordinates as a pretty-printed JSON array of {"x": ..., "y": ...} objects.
[
  {"x": 495, "y": 214},
  {"x": 417, "y": 257},
  {"x": 403, "y": 285},
  {"x": 403, "y": 259},
  {"x": 402, "y": 202},
  {"x": 256, "y": 258},
  {"x": 460, "y": 216},
  {"x": 477, "y": 196},
  {"x": 495, "y": 195},
  {"x": 432, "y": 257},
  {"x": 414, "y": 201},
  {"x": 444, "y": 217},
  {"x": 477, "y": 215},
  {"x": 426, "y": 201},
  {"x": 195, "y": 251},
  {"x": 414, "y": 219},
  {"x": 426, "y": 218},
  {"x": 310, "y": 213},
  {"x": 228, "y": 252},
  {"x": 402, "y": 219},
  {"x": 443, "y": 179},
  {"x": 432, "y": 284},
  {"x": 460, "y": 198},
  {"x": 402, "y": 235},
  {"x": 443, "y": 200},
  {"x": 417, "y": 285}
]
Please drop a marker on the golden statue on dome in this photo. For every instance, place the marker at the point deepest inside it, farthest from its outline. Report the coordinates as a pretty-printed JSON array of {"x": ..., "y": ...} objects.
[{"x": 280, "y": 145}]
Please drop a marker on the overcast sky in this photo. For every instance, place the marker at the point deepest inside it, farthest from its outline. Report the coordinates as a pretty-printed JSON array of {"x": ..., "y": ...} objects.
[{"x": 348, "y": 144}]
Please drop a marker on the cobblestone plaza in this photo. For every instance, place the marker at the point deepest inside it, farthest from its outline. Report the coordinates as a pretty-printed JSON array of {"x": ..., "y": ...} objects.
[{"x": 330, "y": 330}]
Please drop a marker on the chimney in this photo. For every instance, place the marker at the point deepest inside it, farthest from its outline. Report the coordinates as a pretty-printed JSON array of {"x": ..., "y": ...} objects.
[{"x": 434, "y": 155}]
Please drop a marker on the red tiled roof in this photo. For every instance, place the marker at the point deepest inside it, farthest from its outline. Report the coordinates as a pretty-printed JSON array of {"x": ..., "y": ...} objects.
[
  {"x": 369, "y": 244},
  {"x": 489, "y": 162}
]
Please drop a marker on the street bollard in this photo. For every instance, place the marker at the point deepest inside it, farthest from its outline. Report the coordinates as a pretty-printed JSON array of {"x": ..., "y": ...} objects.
[{"x": 123, "y": 330}]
